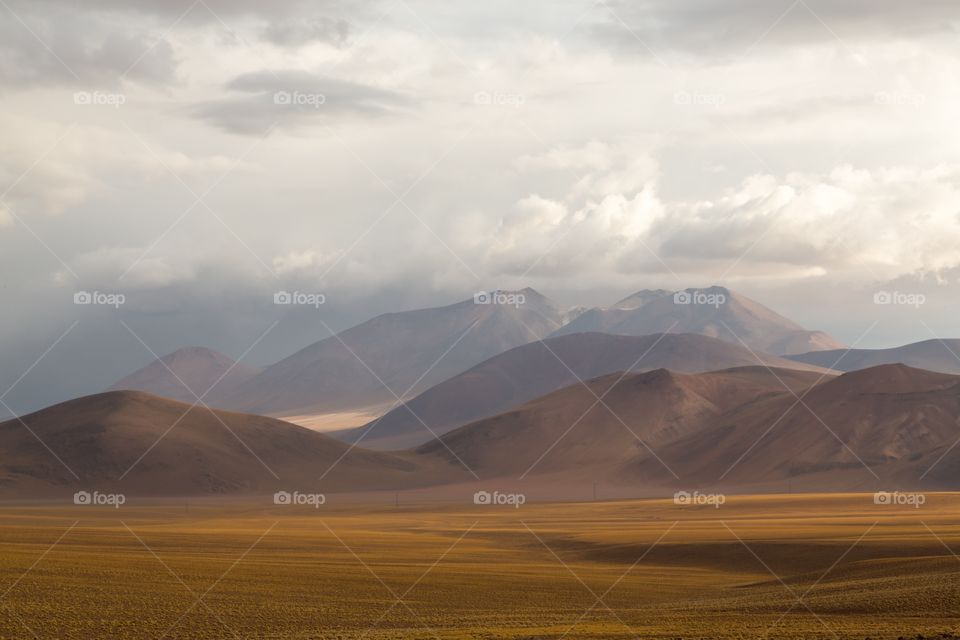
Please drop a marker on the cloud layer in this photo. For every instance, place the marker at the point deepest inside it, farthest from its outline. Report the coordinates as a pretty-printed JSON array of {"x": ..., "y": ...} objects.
[{"x": 200, "y": 156}]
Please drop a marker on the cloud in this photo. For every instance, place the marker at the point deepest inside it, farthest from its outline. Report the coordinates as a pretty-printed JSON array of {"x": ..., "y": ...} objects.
[
  {"x": 128, "y": 269},
  {"x": 722, "y": 27},
  {"x": 295, "y": 33},
  {"x": 71, "y": 47},
  {"x": 867, "y": 224},
  {"x": 210, "y": 11},
  {"x": 294, "y": 98},
  {"x": 41, "y": 168}
]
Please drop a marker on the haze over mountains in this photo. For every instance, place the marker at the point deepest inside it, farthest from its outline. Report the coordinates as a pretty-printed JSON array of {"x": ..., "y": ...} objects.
[
  {"x": 527, "y": 372},
  {"x": 934, "y": 355},
  {"x": 195, "y": 369},
  {"x": 395, "y": 353},
  {"x": 715, "y": 311},
  {"x": 407, "y": 352}
]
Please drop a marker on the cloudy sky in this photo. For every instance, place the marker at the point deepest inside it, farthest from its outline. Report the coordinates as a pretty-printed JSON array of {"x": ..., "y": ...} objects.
[{"x": 198, "y": 156}]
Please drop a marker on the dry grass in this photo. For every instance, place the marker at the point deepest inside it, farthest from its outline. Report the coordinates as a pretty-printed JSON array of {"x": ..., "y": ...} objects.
[{"x": 757, "y": 567}]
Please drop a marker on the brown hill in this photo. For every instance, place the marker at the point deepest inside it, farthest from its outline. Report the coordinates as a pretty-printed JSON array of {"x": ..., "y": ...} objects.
[
  {"x": 715, "y": 311},
  {"x": 185, "y": 451},
  {"x": 894, "y": 419},
  {"x": 199, "y": 368},
  {"x": 402, "y": 350},
  {"x": 532, "y": 370},
  {"x": 889, "y": 427},
  {"x": 568, "y": 433}
]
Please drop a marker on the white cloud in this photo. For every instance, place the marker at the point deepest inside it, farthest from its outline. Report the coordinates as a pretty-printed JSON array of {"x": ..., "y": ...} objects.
[
  {"x": 127, "y": 269},
  {"x": 860, "y": 223}
]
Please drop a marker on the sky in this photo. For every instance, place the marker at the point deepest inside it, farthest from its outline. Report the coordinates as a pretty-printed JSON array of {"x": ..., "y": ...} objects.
[{"x": 193, "y": 158}]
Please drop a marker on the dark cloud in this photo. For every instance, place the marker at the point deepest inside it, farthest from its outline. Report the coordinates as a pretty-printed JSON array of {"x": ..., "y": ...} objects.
[
  {"x": 292, "y": 98},
  {"x": 64, "y": 47},
  {"x": 209, "y": 10}
]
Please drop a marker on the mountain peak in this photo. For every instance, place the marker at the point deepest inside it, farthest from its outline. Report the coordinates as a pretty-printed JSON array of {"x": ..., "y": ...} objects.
[
  {"x": 185, "y": 374},
  {"x": 714, "y": 311}
]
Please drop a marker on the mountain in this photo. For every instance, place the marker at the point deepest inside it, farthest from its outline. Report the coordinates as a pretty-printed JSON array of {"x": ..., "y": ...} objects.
[
  {"x": 410, "y": 350},
  {"x": 568, "y": 433},
  {"x": 532, "y": 370},
  {"x": 933, "y": 355},
  {"x": 197, "y": 367},
  {"x": 185, "y": 451},
  {"x": 886, "y": 428},
  {"x": 716, "y": 312}
]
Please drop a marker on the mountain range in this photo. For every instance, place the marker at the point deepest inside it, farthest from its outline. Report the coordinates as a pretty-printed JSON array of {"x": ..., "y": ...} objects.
[
  {"x": 395, "y": 356},
  {"x": 662, "y": 391},
  {"x": 532, "y": 370},
  {"x": 754, "y": 428}
]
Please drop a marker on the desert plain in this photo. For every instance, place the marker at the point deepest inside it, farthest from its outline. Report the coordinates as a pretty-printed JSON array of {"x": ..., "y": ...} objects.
[{"x": 757, "y": 566}]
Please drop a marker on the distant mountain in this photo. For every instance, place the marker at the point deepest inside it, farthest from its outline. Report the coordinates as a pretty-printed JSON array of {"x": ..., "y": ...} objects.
[
  {"x": 532, "y": 370},
  {"x": 716, "y": 312},
  {"x": 933, "y": 355},
  {"x": 185, "y": 452},
  {"x": 886, "y": 428},
  {"x": 197, "y": 367},
  {"x": 401, "y": 350}
]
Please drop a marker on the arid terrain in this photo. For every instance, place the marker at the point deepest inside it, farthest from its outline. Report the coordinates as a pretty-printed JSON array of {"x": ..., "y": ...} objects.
[{"x": 783, "y": 566}]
